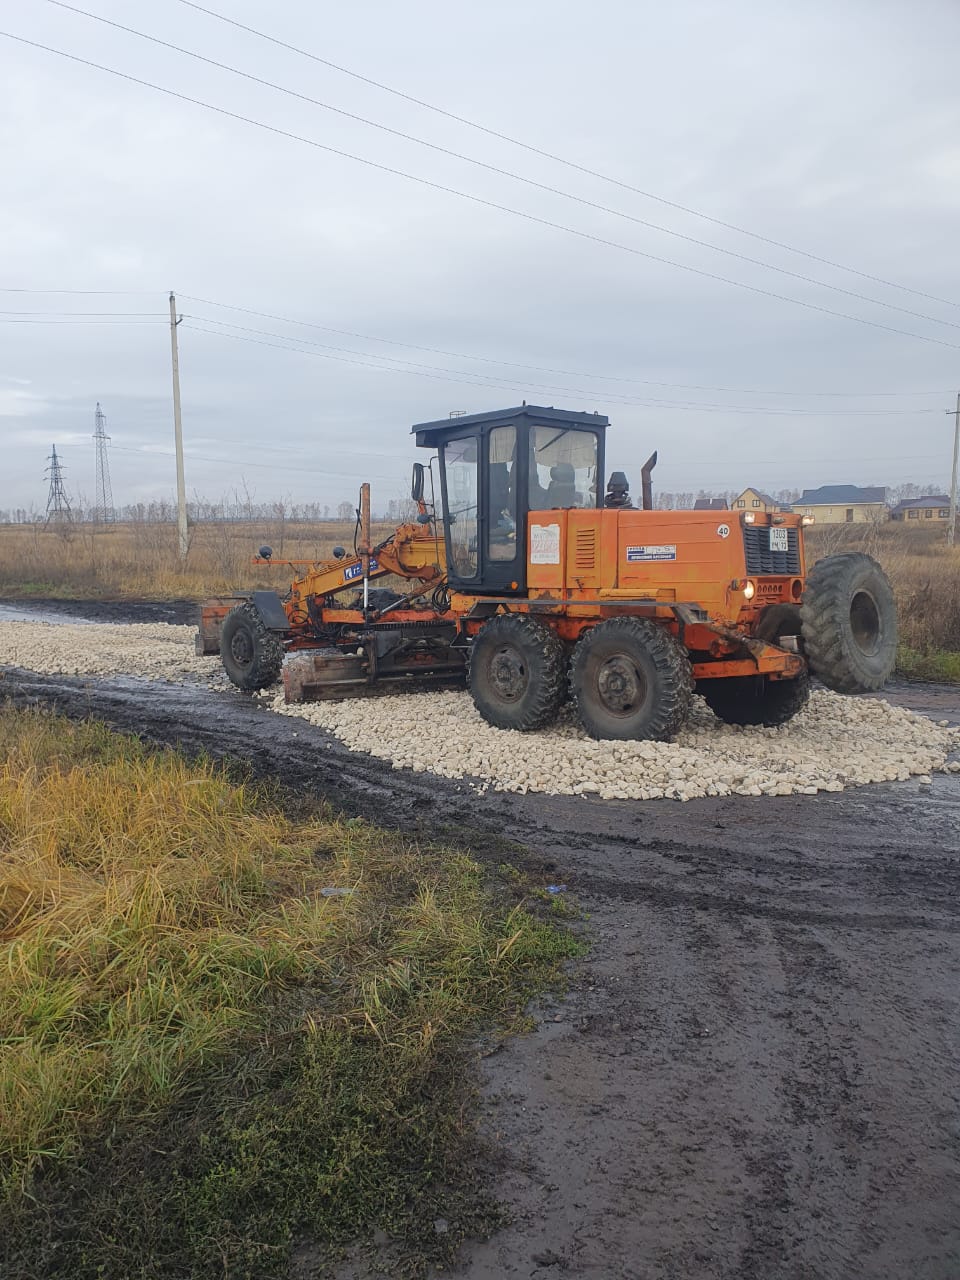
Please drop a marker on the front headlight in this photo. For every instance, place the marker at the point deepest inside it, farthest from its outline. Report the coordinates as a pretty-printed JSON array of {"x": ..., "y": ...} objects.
[
  {"x": 749, "y": 590},
  {"x": 749, "y": 517},
  {"x": 807, "y": 520}
]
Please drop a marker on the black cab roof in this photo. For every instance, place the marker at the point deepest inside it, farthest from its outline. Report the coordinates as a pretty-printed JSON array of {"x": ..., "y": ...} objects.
[{"x": 433, "y": 433}]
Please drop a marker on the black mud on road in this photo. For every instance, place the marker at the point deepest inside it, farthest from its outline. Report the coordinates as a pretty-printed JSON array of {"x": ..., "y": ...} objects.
[
  {"x": 37, "y": 609},
  {"x": 757, "y": 1072}
]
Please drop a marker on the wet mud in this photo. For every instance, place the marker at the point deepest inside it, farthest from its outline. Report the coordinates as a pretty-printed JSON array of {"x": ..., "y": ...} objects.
[
  {"x": 755, "y": 1073},
  {"x": 179, "y": 612}
]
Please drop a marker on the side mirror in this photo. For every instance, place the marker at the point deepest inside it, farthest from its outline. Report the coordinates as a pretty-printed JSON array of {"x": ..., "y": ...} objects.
[{"x": 416, "y": 486}]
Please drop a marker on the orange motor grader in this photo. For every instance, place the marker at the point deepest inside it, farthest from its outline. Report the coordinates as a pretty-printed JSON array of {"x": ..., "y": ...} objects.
[{"x": 536, "y": 584}]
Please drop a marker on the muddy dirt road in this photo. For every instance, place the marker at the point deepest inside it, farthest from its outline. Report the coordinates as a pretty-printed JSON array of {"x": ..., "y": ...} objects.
[{"x": 757, "y": 1072}]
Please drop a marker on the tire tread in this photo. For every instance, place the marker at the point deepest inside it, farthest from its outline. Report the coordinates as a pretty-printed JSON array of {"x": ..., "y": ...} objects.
[
  {"x": 268, "y": 650},
  {"x": 549, "y": 687},
  {"x": 669, "y": 657}
]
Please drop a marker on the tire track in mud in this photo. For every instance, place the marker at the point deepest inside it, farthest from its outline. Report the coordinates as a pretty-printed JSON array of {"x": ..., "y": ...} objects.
[{"x": 755, "y": 1073}]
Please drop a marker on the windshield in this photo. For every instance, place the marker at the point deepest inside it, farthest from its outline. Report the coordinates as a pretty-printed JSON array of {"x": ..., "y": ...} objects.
[{"x": 563, "y": 468}]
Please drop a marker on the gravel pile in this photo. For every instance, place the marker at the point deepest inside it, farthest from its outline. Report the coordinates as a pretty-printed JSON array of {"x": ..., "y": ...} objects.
[
  {"x": 836, "y": 742},
  {"x": 154, "y": 650}
]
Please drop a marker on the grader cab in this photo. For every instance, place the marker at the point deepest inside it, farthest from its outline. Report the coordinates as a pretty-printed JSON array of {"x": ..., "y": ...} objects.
[{"x": 538, "y": 583}]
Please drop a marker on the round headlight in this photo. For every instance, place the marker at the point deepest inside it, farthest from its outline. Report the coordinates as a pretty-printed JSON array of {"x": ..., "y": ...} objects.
[
  {"x": 749, "y": 590},
  {"x": 749, "y": 517},
  {"x": 807, "y": 520}
]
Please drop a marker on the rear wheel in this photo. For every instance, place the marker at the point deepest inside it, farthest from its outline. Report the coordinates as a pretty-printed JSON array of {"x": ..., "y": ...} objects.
[
  {"x": 516, "y": 672},
  {"x": 850, "y": 623},
  {"x": 251, "y": 654},
  {"x": 755, "y": 700},
  {"x": 630, "y": 678}
]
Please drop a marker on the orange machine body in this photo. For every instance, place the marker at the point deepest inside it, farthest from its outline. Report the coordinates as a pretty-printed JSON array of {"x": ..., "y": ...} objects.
[{"x": 686, "y": 569}]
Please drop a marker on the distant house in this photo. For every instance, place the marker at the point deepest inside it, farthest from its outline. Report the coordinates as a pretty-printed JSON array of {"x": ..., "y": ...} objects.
[
  {"x": 755, "y": 500},
  {"x": 844, "y": 504},
  {"x": 935, "y": 506},
  {"x": 710, "y": 504}
]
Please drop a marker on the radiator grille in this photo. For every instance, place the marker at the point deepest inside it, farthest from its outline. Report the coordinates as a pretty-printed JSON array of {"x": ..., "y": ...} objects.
[
  {"x": 761, "y": 560},
  {"x": 585, "y": 548}
]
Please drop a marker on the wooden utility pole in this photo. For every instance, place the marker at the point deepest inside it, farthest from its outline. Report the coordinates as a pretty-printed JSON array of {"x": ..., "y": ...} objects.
[
  {"x": 952, "y": 526},
  {"x": 182, "y": 534}
]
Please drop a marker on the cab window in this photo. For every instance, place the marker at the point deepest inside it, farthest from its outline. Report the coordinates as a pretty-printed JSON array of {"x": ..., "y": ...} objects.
[
  {"x": 502, "y": 494},
  {"x": 460, "y": 468},
  {"x": 563, "y": 468}
]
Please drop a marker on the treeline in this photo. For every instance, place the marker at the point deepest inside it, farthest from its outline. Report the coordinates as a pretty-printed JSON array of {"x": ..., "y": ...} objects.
[{"x": 201, "y": 511}]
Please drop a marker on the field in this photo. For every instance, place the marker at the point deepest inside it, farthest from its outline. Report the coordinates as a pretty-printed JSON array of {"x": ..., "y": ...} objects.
[
  {"x": 226, "y": 1027},
  {"x": 140, "y": 561}
]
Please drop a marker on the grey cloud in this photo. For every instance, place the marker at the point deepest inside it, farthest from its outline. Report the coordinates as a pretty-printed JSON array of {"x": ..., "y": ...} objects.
[{"x": 832, "y": 127}]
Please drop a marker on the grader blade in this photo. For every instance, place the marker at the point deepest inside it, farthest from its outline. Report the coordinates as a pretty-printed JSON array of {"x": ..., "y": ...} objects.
[{"x": 313, "y": 675}]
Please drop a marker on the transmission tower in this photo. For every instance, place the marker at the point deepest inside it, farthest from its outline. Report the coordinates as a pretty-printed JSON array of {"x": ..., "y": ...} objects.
[
  {"x": 103, "y": 511},
  {"x": 58, "y": 505}
]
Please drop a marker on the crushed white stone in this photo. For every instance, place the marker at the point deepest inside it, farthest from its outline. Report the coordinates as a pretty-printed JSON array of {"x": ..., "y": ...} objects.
[
  {"x": 835, "y": 743},
  {"x": 151, "y": 650}
]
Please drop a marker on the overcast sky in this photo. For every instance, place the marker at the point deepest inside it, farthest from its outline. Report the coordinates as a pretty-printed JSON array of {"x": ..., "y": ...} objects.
[{"x": 833, "y": 128}]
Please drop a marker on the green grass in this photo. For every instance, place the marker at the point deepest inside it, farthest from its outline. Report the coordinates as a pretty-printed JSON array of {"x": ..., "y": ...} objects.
[
  {"x": 203, "y": 1058},
  {"x": 937, "y": 664}
]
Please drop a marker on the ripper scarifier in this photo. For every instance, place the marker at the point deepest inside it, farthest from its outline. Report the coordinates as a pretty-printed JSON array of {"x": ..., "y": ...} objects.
[{"x": 524, "y": 581}]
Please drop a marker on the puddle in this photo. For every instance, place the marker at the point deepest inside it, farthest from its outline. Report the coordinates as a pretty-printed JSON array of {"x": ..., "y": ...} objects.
[{"x": 23, "y": 613}]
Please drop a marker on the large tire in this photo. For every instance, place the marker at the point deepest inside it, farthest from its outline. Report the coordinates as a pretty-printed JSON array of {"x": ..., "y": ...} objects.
[
  {"x": 251, "y": 654},
  {"x": 629, "y": 678},
  {"x": 516, "y": 672},
  {"x": 849, "y": 623},
  {"x": 755, "y": 700}
]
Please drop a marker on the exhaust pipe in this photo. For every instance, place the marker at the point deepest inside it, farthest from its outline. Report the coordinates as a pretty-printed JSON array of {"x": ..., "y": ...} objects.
[{"x": 647, "y": 481}]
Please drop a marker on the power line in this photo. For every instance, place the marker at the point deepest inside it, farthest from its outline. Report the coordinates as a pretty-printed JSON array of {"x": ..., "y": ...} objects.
[
  {"x": 154, "y": 314},
  {"x": 475, "y": 199},
  {"x": 130, "y": 324},
  {"x": 258, "y": 466},
  {"x": 102, "y": 293},
  {"x": 506, "y": 173},
  {"x": 272, "y": 466},
  {"x": 41, "y": 317},
  {"x": 467, "y": 378},
  {"x": 461, "y": 355},
  {"x": 571, "y": 164}
]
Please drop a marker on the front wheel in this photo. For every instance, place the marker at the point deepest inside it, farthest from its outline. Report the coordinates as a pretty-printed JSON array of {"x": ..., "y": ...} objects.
[
  {"x": 850, "y": 623},
  {"x": 630, "y": 678},
  {"x": 516, "y": 672},
  {"x": 251, "y": 654}
]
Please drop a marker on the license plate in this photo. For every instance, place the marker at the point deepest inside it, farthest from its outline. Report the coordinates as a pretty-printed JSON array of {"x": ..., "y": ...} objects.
[{"x": 778, "y": 540}]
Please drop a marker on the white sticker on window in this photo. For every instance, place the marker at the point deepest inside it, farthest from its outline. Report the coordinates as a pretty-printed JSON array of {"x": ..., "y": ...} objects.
[{"x": 544, "y": 544}]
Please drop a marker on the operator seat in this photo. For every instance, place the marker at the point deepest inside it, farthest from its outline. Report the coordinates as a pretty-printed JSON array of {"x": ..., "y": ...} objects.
[{"x": 562, "y": 489}]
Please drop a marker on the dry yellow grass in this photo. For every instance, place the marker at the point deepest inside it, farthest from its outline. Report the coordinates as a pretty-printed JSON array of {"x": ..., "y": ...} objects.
[
  {"x": 202, "y": 1052},
  {"x": 140, "y": 561},
  {"x": 144, "y": 905}
]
